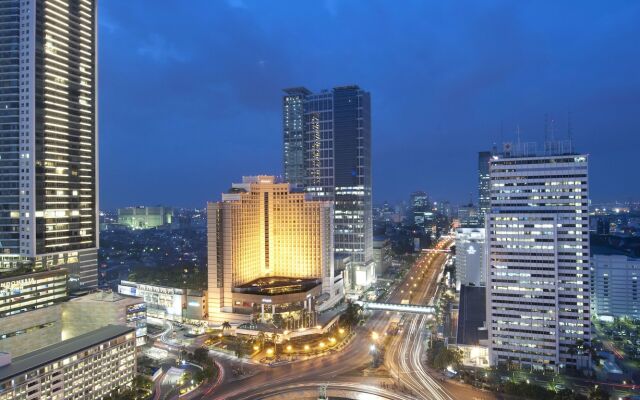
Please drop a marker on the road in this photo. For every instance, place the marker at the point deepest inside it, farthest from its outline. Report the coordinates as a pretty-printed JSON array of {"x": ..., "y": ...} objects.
[{"x": 338, "y": 368}]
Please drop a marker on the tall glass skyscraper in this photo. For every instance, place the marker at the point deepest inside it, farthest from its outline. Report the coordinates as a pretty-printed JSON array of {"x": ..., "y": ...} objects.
[
  {"x": 336, "y": 157},
  {"x": 48, "y": 138},
  {"x": 484, "y": 192}
]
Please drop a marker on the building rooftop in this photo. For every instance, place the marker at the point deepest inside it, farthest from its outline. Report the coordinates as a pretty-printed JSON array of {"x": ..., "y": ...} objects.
[
  {"x": 48, "y": 354},
  {"x": 275, "y": 285}
]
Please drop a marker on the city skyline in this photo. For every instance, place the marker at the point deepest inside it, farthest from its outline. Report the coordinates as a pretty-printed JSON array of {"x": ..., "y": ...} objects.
[{"x": 439, "y": 95}]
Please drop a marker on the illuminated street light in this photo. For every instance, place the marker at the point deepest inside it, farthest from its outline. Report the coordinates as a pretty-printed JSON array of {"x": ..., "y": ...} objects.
[
  {"x": 341, "y": 331},
  {"x": 289, "y": 348},
  {"x": 269, "y": 352},
  {"x": 256, "y": 347},
  {"x": 306, "y": 347}
]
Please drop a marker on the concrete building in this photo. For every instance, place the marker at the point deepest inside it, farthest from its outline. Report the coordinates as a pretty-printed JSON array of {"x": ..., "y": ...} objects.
[
  {"x": 270, "y": 253},
  {"x": 470, "y": 257},
  {"x": 382, "y": 255},
  {"x": 49, "y": 138},
  {"x": 89, "y": 366},
  {"x": 145, "y": 217},
  {"x": 336, "y": 154},
  {"x": 614, "y": 286},
  {"x": 99, "y": 309},
  {"x": 23, "y": 333},
  {"x": 538, "y": 300}
]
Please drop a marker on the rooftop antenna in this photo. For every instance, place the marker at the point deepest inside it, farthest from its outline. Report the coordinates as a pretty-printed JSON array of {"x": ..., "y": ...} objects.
[{"x": 518, "y": 133}]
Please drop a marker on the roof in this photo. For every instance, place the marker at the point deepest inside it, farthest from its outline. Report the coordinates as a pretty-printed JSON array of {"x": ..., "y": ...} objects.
[{"x": 46, "y": 355}]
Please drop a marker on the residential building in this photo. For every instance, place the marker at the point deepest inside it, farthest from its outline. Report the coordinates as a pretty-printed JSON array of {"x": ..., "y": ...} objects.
[
  {"x": 538, "y": 300},
  {"x": 336, "y": 135},
  {"x": 89, "y": 366},
  {"x": 470, "y": 257},
  {"x": 270, "y": 254},
  {"x": 48, "y": 126},
  {"x": 484, "y": 191},
  {"x": 145, "y": 217},
  {"x": 99, "y": 309},
  {"x": 614, "y": 285}
]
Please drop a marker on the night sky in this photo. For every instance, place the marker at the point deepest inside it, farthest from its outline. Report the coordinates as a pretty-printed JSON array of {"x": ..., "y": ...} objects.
[{"x": 190, "y": 91}]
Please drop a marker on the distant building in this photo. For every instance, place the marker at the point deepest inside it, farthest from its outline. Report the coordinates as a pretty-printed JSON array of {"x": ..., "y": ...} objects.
[
  {"x": 89, "y": 366},
  {"x": 614, "y": 286},
  {"x": 336, "y": 156},
  {"x": 484, "y": 189},
  {"x": 99, "y": 309},
  {"x": 270, "y": 254},
  {"x": 538, "y": 257},
  {"x": 382, "y": 255},
  {"x": 421, "y": 209},
  {"x": 470, "y": 255},
  {"x": 145, "y": 217},
  {"x": 468, "y": 216}
]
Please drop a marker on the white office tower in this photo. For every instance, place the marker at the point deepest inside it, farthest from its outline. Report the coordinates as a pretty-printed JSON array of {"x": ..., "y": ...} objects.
[
  {"x": 48, "y": 138},
  {"x": 470, "y": 257},
  {"x": 538, "y": 258}
]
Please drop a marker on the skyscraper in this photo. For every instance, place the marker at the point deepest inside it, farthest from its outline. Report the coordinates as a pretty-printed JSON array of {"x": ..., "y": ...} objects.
[
  {"x": 293, "y": 131},
  {"x": 48, "y": 138},
  {"x": 538, "y": 258},
  {"x": 270, "y": 254},
  {"x": 337, "y": 167},
  {"x": 484, "y": 194}
]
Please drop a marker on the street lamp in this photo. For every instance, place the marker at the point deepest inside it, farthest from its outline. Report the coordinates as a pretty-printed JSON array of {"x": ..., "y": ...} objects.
[{"x": 269, "y": 352}]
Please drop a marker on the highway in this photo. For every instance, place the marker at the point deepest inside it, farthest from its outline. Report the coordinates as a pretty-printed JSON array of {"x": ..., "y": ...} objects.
[{"x": 403, "y": 358}]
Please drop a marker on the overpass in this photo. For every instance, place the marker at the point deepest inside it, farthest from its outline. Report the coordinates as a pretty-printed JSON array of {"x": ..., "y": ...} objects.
[{"x": 405, "y": 308}]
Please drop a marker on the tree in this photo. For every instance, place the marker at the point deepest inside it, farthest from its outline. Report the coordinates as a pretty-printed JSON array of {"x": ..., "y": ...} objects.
[
  {"x": 226, "y": 326},
  {"x": 201, "y": 355},
  {"x": 599, "y": 393}
]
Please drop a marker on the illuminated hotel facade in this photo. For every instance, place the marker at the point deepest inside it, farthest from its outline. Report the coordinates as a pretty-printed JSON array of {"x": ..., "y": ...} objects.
[
  {"x": 327, "y": 135},
  {"x": 538, "y": 286},
  {"x": 48, "y": 137},
  {"x": 270, "y": 255}
]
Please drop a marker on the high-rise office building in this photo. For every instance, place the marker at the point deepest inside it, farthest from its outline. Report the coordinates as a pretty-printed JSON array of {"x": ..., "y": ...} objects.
[
  {"x": 470, "y": 244},
  {"x": 270, "y": 254},
  {"x": 484, "y": 194},
  {"x": 336, "y": 135},
  {"x": 293, "y": 135},
  {"x": 538, "y": 295},
  {"x": 48, "y": 138}
]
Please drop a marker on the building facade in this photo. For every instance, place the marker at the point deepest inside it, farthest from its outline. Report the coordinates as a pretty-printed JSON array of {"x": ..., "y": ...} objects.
[
  {"x": 99, "y": 309},
  {"x": 145, "y": 217},
  {"x": 470, "y": 257},
  {"x": 614, "y": 286},
  {"x": 48, "y": 137},
  {"x": 484, "y": 191},
  {"x": 336, "y": 138},
  {"x": 538, "y": 300},
  {"x": 89, "y": 366},
  {"x": 269, "y": 249},
  {"x": 293, "y": 135},
  {"x": 162, "y": 302}
]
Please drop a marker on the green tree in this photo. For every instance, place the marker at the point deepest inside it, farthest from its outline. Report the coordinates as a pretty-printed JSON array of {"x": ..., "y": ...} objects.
[
  {"x": 226, "y": 326},
  {"x": 201, "y": 355},
  {"x": 599, "y": 393}
]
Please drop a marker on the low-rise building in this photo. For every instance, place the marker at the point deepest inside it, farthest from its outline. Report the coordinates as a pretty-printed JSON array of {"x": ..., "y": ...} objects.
[
  {"x": 167, "y": 303},
  {"x": 96, "y": 310},
  {"x": 614, "y": 284},
  {"x": 89, "y": 366},
  {"x": 22, "y": 333},
  {"x": 382, "y": 255}
]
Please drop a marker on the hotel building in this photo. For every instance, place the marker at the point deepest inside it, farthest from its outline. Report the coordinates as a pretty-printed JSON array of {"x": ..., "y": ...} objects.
[
  {"x": 538, "y": 297},
  {"x": 48, "y": 137},
  {"x": 89, "y": 366},
  {"x": 270, "y": 252}
]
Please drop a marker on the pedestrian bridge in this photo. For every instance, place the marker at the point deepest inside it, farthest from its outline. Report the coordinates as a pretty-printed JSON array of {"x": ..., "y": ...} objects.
[{"x": 405, "y": 308}]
